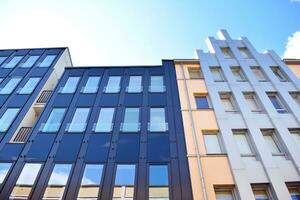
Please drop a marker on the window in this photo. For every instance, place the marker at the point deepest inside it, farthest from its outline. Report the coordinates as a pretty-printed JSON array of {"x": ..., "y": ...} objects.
[
  {"x": 70, "y": 85},
  {"x": 131, "y": 120},
  {"x": 261, "y": 192},
  {"x": 224, "y": 193},
  {"x": 57, "y": 182},
  {"x": 113, "y": 85},
  {"x": 158, "y": 182},
  {"x": 2, "y": 59},
  {"x": 295, "y": 133},
  {"x": 29, "y": 86},
  {"x": 90, "y": 182},
  {"x": 157, "y": 120},
  {"x": 294, "y": 191},
  {"x": 91, "y": 85},
  {"x": 245, "y": 52},
  {"x": 105, "y": 120},
  {"x": 26, "y": 181},
  {"x": 217, "y": 74},
  {"x": 4, "y": 168},
  {"x": 29, "y": 62},
  {"x": 124, "y": 182},
  {"x": 13, "y": 62},
  {"x": 54, "y": 120},
  {"x": 195, "y": 73},
  {"x": 226, "y": 52},
  {"x": 228, "y": 102},
  {"x": 7, "y": 118},
  {"x": 252, "y": 102},
  {"x": 135, "y": 84},
  {"x": 258, "y": 74},
  {"x": 10, "y": 85},
  {"x": 272, "y": 142},
  {"x": 212, "y": 143},
  {"x": 1, "y": 79},
  {"x": 276, "y": 102},
  {"x": 279, "y": 74},
  {"x": 48, "y": 60},
  {"x": 238, "y": 74},
  {"x": 202, "y": 102},
  {"x": 78, "y": 123},
  {"x": 240, "y": 137},
  {"x": 157, "y": 84},
  {"x": 296, "y": 97}
]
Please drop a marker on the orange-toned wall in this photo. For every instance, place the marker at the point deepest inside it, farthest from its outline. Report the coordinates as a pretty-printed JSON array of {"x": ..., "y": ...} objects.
[
  {"x": 295, "y": 68},
  {"x": 216, "y": 170}
]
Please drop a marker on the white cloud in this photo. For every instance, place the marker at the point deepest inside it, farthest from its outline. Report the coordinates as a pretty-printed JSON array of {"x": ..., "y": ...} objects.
[{"x": 292, "y": 48}]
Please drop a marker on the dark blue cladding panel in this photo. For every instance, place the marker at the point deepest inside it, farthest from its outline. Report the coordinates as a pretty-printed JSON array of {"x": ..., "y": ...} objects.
[
  {"x": 128, "y": 148},
  {"x": 40, "y": 147},
  {"x": 63, "y": 100},
  {"x": 40, "y": 71},
  {"x": 109, "y": 100},
  {"x": 18, "y": 101},
  {"x": 133, "y": 99},
  {"x": 98, "y": 146},
  {"x": 20, "y": 71},
  {"x": 86, "y": 100},
  {"x": 158, "y": 148},
  {"x": 10, "y": 151},
  {"x": 3, "y": 99},
  {"x": 69, "y": 147},
  {"x": 157, "y": 99},
  {"x": 4, "y": 72}
]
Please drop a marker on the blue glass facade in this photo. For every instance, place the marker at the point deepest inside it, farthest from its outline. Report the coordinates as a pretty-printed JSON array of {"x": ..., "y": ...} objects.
[{"x": 116, "y": 118}]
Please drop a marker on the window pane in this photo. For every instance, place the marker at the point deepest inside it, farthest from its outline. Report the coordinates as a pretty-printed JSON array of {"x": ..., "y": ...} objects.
[
  {"x": 271, "y": 144},
  {"x": 238, "y": 74},
  {"x": 124, "y": 182},
  {"x": 259, "y": 74},
  {"x": 260, "y": 195},
  {"x": 125, "y": 175},
  {"x": 90, "y": 183},
  {"x": 224, "y": 195},
  {"x": 227, "y": 102},
  {"x": 104, "y": 123},
  {"x": 78, "y": 123},
  {"x": 91, "y": 85},
  {"x": 47, "y": 61},
  {"x": 13, "y": 62},
  {"x": 250, "y": 98},
  {"x": 296, "y": 97},
  {"x": 217, "y": 74},
  {"x": 25, "y": 181},
  {"x": 54, "y": 121},
  {"x": 57, "y": 182},
  {"x": 296, "y": 136},
  {"x": 212, "y": 144},
  {"x": 135, "y": 84},
  {"x": 30, "y": 61},
  {"x": 70, "y": 85},
  {"x": 157, "y": 120},
  {"x": 2, "y": 59},
  {"x": 10, "y": 86},
  {"x": 202, "y": 102},
  {"x": 7, "y": 118},
  {"x": 278, "y": 73},
  {"x": 113, "y": 85},
  {"x": 295, "y": 193},
  {"x": 157, "y": 84},
  {"x": 245, "y": 52},
  {"x": 4, "y": 168},
  {"x": 158, "y": 182},
  {"x": 131, "y": 120},
  {"x": 195, "y": 73},
  {"x": 30, "y": 86},
  {"x": 158, "y": 175},
  {"x": 227, "y": 53},
  {"x": 242, "y": 142}
]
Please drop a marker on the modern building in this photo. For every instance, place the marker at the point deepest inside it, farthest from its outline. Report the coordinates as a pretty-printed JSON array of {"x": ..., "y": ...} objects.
[
  {"x": 241, "y": 115},
  {"x": 106, "y": 132},
  {"x": 223, "y": 126}
]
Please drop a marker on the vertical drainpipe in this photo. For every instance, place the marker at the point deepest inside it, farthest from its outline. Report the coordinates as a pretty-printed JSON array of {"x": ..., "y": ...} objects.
[{"x": 199, "y": 164}]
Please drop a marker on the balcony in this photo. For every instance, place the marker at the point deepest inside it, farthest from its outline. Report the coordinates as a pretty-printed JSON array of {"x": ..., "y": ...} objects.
[
  {"x": 22, "y": 135},
  {"x": 41, "y": 101}
]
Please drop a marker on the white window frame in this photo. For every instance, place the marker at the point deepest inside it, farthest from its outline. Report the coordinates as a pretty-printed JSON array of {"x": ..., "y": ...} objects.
[
  {"x": 248, "y": 140},
  {"x": 272, "y": 133},
  {"x": 252, "y": 95},
  {"x": 260, "y": 71},
  {"x": 228, "y": 95},
  {"x": 239, "y": 70},
  {"x": 220, "y": 143},
  {"x": 220, "y": 71}
]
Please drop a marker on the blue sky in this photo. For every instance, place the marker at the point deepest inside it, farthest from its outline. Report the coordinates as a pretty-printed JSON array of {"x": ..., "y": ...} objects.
[{"x": 144, "y": 32}]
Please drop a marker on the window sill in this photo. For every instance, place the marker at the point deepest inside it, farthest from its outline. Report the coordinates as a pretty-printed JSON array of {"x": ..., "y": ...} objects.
[{"x": 215, "y": 155}]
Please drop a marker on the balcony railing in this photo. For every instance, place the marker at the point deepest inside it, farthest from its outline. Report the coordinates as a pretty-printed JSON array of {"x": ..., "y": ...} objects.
[{"x": 45, "y": 95}]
